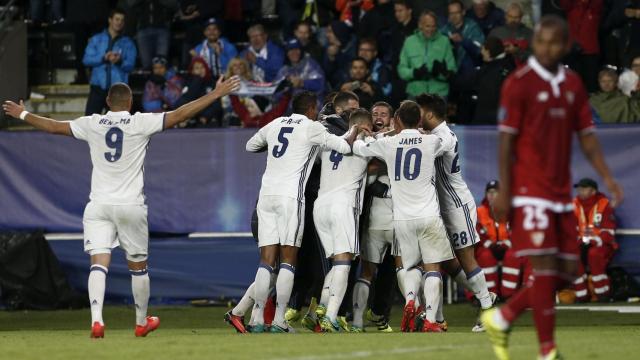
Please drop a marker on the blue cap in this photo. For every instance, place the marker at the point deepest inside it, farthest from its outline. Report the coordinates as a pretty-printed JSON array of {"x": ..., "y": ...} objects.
[
  {"x": 292, "y": 44},
  {"x": 211, "y": 21}
]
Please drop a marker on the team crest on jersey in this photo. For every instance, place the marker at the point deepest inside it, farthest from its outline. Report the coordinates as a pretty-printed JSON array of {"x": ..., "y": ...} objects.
[
  {"x": 597, "y": 219},
  {"x": 537, "y": 238},
  {"x": 571, "y": 97},
  {"x": 543, "y": 96}
]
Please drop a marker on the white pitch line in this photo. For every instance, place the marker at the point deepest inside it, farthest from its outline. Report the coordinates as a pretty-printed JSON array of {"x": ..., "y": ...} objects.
[
  {"x": 370, "y": 353},
  {"x": 620, "y": 309}
]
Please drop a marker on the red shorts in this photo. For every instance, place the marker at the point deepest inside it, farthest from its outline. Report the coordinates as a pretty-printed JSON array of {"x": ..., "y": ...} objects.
[{"x": 540, "y": 231}]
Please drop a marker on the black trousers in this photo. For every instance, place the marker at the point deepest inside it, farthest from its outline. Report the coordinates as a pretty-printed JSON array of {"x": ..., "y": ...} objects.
[
  {"x": 384, "y": 287},
  {"x": 97, "y": 101}
]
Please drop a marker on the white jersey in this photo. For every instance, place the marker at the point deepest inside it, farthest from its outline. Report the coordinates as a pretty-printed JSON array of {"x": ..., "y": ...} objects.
[
  {"x": 452, "y": 189},
  {"x": 342, "y": 179},
  {"x": 118, "y": 145},
  {"x": 381, "y": 212},
  {"x": 410, "y": 158},
  {"x": 292, "y": 143}
]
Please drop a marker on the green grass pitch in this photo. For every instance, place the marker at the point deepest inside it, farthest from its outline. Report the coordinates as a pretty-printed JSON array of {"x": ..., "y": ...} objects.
[{"x": 200, "y": 333}]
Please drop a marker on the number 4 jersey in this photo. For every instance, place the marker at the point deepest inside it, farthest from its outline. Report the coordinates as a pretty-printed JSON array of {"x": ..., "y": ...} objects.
[
  {"x": 410, "y": 157},
  {"x": 118, "y": 145}
]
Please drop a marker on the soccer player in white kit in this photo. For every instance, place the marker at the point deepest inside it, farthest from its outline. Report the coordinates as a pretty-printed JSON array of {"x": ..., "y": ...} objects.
[
  {"x": 336, "y": 214},
  {"x": 411, "y": 155},
  {"x": 457, "y": 207},
  {"x": 116, "y": 214},
  {"x": 292, "y": 144}
]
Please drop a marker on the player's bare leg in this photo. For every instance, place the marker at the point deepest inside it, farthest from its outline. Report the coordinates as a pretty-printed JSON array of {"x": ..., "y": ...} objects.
[
  {"x": 96, "y": 285},
  {"x": 432, "y": 292},
  {"x": 361, "y": 293},
  {"x": 268, "y": 256},
  {"x": 338, "y": 287},
  {"x": 140, "y": 287},
  {"x": 284, "y": 286}
]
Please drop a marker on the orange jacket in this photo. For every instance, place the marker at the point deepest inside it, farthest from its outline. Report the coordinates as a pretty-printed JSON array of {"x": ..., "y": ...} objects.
[
  {"x": 345, "y": 10},
  {"x": 595, "y": 218},
  {"x": 489, "y": 229}
]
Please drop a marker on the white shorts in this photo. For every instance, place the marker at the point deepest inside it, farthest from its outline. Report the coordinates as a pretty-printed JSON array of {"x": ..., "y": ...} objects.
[
  {"x": 461, "y": 225},
  {"x": 280, "y": 221},
  {"x": 422, "y": 241},
  {"x": 110, "y": 226},
  {"x": 375, "y": 245},
  {"x": 337, "y": 226}
]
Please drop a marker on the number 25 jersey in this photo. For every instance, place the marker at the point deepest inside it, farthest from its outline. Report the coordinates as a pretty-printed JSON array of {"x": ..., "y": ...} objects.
[{"x": 118, "y": 145}]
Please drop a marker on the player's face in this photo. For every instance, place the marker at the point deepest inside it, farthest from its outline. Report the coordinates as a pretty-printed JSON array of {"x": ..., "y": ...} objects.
[
  {"x": 428, "y": 26},
  {"x": 116, "y": 22},
  {"x": 607, "y": 83},
  {"x": 426, "y": 117},
  {"x": 367, "y": 52},
  {"x": 513, "y": 17},
  {"x": 302, "y": 33},
  {"x": 294, "y": 55},
  {"x": 212, "y": 33},
  {"x": 456, "y": 15},
  {"x": 491, "y": 196},
  {"x": 159, "y": 69},
  {"x": 402, "y": 13},
  {"x": 585, "y": 192},
  {"x": 381, "y": 117},
  {"x": 358, "y": 70},
  {"x": 257, "y": 39},
  {"x": 549, "y": 47}
]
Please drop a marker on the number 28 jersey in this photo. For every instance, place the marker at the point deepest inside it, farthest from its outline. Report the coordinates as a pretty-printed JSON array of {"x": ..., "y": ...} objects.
[
  {"x": 410, "y": 158},
  {"x": 292, "y": 142},
  {"x": 118, "y": 145}
]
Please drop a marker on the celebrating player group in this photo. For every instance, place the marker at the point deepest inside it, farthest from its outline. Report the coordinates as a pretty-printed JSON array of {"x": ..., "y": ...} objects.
[{"x": 390, "y": 184}]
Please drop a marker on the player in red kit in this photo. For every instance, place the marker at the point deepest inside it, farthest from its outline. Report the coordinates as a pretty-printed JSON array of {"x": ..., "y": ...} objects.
[{"x": 542, "y": 106}]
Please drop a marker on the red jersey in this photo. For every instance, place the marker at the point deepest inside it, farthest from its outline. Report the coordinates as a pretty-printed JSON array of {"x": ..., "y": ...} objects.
[{"x": 543, "y": 110}]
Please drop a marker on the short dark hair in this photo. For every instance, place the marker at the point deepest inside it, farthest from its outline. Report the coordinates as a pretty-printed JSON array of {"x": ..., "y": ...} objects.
[
  {"x": 343, "y": 97},
  {"x": 494, "y": 45},
  {"x": 404, "y": 3},
  {"x": 434, "y": 104},
  {"x": 303, "y": 101},
  {"x": 409, "y": 113},
  {"x": 369, "y": 40},
  {"x": 360, "y": 116},
  {"x": 458, "y": 2},
  {"x": 431, "y": 14},
  {"x": 554, "y": 21},
  {"x": 358, "y": 58},
  {"x": 115, "y": 11},
  {"x": 384, "y": 104},
  {"x": 331, "y": 95},
  {"x": 302, "y": 22},
  {"x": 119, "y": 94}
]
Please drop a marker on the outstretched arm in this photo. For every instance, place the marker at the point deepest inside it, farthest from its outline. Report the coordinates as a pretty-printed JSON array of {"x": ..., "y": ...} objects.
[
  {"x": 191, "y": 109},
  {"x": 40, "y": 122},
  {"x": 591, "y": 149}
]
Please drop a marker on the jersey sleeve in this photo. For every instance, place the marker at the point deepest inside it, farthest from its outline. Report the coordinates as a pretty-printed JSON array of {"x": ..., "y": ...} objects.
[
  {"x": 80, "y": 127},
  {"x": 369, "y": 149},
  {"x": 258, "y": 141},
  {"x": 583, "y": 121},
  {"x": 511, "y": 111},
  {"x": 150, "y": 123},
  {"x": 317, "y": 134}
]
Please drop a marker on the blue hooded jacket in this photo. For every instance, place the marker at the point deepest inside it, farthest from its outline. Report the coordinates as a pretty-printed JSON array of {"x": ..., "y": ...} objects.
[{"x": 104, "y": 73}]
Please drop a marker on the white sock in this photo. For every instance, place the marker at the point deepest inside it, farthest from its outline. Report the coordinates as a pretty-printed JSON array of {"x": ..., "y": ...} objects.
[
  {"x": 339, "y": 283},
  {"x": 261, "y": 292},
  {"x": 476, "y": 283},
  {"x": 284, "y": 286},
  {"x": 412, "y": 280},
  {"x": 246, "y": 302},
  {"x": 97, "y": 284},
  {"x": 432, "y": 286},
  {"x": 440, "y": 311},
  {"x": 360, "y": 299},
  {"x": 140, "y": 286},
  {"x": 400, "y": 274},
  {"x": 324, "y": 295}
]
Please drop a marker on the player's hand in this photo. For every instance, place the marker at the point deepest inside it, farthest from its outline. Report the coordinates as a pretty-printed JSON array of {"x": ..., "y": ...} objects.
[
  {"x": 13, "y": 109},
  {"x": 616, "y": 192},
  {"x": 502, "y": 206},
  {"x": 225, "y": 87}
]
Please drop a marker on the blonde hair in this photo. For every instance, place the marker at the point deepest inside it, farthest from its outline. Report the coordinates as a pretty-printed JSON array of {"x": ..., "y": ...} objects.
[{"x": 246, "y": 69}]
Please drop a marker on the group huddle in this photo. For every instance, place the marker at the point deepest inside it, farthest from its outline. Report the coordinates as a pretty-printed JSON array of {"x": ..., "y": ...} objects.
[{"x": 421, "y": 211}]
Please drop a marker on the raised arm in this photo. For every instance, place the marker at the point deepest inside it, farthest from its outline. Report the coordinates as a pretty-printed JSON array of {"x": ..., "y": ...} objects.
[
  {"x": 319, "y": 135},
  {"x": 194, "y": 107},
  {"x": 39, "y": 122},
  {"x": 591, "y": 149}
]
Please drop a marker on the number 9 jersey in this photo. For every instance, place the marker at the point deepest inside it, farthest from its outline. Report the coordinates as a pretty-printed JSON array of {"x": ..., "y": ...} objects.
[{"x": 118, "y": 145}]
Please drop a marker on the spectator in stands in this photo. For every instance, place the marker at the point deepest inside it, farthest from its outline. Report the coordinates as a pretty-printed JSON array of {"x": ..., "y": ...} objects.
[
  {"x": 361, "y": 84},
  {"x": 190, "y": 17},
  {"x": 197, "y": 83},
  {"x": 377, "y": 22},
  {"x": 341, "y": 49},
  {"x": 426, "y": 59},
  {"x": 351, "y": 11},
  {"x": 404, "y": 27},
  {"x": 163, "y": 89},
  {"x": 302, "y": 71},
  {"x": 215, "y": 49},
  {"x": 596, "y": 232},
  {"x": 527, "y": 7},
  {"x": 304, "y": 33},
  {"x": 584, "y": 18},
  {"x": 635, "y": 65},
  {"x": 438, "y": 7},
  {"x": 111, "y": 57},
  {"x": 486, "y": 14},
  {"x": 497, "y": 65},
  {"x": 380, "y": 73},
  {"x": 631, "y": 31},
  {"x": 515, "y": 36},
  {"x": 611, "y": 104},
  {"x": 153, "y": 18},
  {"x": 265, "y": 57}
]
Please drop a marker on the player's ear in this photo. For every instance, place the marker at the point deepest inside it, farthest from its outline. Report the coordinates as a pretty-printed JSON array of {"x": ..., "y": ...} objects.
[{"x": 108, "y": 102}]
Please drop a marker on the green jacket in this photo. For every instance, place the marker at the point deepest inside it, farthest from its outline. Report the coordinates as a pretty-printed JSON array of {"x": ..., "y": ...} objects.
[
  {"x": 417, "y": 51},
  {"x": 616, "y": 107}
]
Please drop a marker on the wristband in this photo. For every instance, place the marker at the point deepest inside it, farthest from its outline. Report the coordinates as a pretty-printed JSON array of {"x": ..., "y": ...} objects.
[{"x": 23, "y": 114}]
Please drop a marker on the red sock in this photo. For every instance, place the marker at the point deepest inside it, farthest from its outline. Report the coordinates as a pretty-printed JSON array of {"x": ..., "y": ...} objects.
[
  {"x": 542, "y": 298},
  {"x": 516, "y": 305}
]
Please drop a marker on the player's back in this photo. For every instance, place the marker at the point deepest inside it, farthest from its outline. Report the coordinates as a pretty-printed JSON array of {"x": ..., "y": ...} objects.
[
  {"x": 118, "y": 144},
  {"x": 342, "y": 179},
  {"x": 543, "y": 111},
  {"x": 453, "y": 191}
]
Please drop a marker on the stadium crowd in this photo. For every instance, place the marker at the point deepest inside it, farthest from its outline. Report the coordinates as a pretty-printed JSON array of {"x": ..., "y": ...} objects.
[{"x": 380, "y": 49}]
